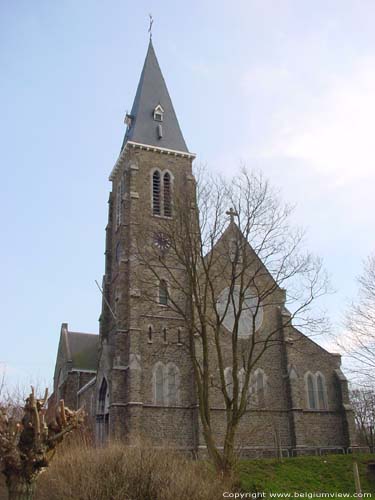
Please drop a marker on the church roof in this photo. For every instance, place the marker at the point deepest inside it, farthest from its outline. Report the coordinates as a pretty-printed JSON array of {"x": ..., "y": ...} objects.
[
  {"x": 82, "y": 350},
  {"x": 152, "y": 94}
]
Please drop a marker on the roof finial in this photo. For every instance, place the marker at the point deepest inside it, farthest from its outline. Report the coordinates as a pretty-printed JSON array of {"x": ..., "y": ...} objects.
[
  {"x": 150, "y": 27},
  {"x": 232, "y": 214}
]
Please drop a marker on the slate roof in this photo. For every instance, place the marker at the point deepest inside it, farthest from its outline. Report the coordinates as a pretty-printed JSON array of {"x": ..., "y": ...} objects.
[
  {"x": 152, "y": 90},
  {"x": 83, "y": 350}
]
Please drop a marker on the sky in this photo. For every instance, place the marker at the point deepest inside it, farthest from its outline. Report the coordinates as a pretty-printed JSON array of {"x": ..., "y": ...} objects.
[{"x": 285, "y": 87}]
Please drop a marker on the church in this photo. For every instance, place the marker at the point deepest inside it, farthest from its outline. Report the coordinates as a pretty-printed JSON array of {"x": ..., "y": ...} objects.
[{"x": 135, "y": 379}]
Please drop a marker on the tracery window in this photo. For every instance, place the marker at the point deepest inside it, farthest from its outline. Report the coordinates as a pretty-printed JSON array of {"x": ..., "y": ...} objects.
[{"x": 162, "y": 193}]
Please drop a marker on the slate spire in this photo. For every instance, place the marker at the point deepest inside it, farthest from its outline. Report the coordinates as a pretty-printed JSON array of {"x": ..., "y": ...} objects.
[{"x": 144, "y": 126}]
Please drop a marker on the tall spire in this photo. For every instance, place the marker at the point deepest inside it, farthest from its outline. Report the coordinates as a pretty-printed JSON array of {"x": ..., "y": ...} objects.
[{"x": 153, "y": 120}]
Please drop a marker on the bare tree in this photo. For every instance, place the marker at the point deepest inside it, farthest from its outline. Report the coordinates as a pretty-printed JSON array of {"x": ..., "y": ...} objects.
[
  {"x": 28, "y": 445},
  {"x": 219, "y": 271},
  {"x": 363, "y": 401},
  {"x": 359, "y": 340}
]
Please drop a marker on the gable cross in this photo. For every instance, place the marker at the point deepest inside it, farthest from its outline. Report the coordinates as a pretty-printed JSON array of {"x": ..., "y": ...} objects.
[{"x": 232, "y": 214}]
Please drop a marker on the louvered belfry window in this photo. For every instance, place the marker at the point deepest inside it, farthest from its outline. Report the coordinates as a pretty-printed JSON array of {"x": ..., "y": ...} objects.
[
  {"x": 167, "y": 195},
  {"x": 156, "y": 193}
]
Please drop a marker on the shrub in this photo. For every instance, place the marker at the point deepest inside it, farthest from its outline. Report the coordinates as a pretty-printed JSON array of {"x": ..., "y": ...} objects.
[{"x": 122, "y": 473}]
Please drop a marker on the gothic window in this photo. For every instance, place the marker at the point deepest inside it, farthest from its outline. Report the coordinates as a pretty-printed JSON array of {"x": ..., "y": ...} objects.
[
  {"x": 156, "y": 198},
  {"x": 172, "y": 384},
  {"x": 311, "y": 396},
  {"x": 118, "y": 205},
  {"x": 228, "y": 376},
  {"x": 241, "y": 381},
  {"x": 179, "y": 335},
  {"x": 167, "y": 194},
  {"x": 260, "y": 387},
  {"x": 320, "y": 384},
  {"x": 103, "y": 397},
  {"x": 164, "y": 335},
  {"x": 163, "y": 293},
  {"x": 257, "y": 388},
  {"x": 159, "y": 383}
]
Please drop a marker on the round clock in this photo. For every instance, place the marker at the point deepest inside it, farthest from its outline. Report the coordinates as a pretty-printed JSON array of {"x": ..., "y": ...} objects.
[
  {"x": 249, "y": 309},
  {"x": 161, "y": 241}
]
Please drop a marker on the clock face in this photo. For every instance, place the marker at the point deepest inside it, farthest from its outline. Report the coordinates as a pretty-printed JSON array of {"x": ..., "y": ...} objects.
[
  {"x": 161, "y": 241},
  {"x": 249, "y": 309}
]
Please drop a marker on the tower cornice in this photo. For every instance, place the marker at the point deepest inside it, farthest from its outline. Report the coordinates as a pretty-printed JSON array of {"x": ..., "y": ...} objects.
[{"x": 147, "y": 147}]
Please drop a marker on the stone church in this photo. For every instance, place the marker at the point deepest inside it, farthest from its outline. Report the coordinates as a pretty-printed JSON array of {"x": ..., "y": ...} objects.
[{"x": 135, "y": 378}]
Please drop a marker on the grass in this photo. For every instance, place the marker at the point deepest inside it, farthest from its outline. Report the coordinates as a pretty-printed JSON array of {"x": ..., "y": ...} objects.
[{"x": 328, "y": 474}]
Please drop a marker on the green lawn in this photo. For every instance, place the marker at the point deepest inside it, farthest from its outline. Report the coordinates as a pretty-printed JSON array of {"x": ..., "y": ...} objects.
[{"x": 327, "y": 474}]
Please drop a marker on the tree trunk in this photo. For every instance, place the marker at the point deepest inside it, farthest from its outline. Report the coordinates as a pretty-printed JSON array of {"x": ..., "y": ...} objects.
[{"x": 20, "y": 489}]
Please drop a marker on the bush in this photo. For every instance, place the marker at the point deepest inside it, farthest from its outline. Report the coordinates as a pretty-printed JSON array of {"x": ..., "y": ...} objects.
[{"x": 120, "y": 473}]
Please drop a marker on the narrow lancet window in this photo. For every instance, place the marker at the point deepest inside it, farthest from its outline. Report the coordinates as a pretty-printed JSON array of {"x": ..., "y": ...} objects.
[
  {"x": 156, "y": 193},
  {"x": 311, "y": 392},
  {"x": 159, "y": 384},
  {"x": 321, "y": 392},
  {"x": 167, "y": 195},
  {"x": 163, "y": 293}
]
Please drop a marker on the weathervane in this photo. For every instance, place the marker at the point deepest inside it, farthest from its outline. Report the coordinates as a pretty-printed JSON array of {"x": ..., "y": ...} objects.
[{"x": 150, "y": 27}]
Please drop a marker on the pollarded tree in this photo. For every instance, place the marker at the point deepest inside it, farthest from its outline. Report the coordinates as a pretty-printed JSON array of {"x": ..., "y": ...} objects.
[
  {"x": 221, "y": 271},
  {"x": 27, "y": 445},
  {"x": 359, "y": 342}
]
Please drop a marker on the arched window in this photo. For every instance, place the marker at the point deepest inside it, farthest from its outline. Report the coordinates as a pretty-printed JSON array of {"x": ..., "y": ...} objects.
[
  {"x": 228, "y": 376},
  {"x": 241, "y": 381},
  {"x": 163, "y": 293},
  {"x": 102, "y": 402},
  {"x": 156, "y": 193},
  {"x": 159, "y": 383},
  {"x": 172, "y": 384},
  {"x": 167, "y": 195},
  {"x": 179, "y": 335},
  {"x": 164, "y": 334},
  {"x": 311, "y": 399},
  {"x": 260, "y": 387},
  {"x": 320, "y": 383}
]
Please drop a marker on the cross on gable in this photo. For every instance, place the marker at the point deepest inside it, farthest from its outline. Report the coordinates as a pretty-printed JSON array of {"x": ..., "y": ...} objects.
[{"x": 232, "y": 214}]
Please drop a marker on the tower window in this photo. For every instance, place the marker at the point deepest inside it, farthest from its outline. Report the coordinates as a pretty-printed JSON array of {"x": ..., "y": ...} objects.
[
  {"x": 165, "y": 335},
  {"x": 163, "y": 293},
  {"x": 156, "y": 193},
  {"x": 167, "y": 195}
]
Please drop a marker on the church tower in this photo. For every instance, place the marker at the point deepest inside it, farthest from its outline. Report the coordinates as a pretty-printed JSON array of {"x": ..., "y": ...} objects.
[{"x": 144, "y": 383}]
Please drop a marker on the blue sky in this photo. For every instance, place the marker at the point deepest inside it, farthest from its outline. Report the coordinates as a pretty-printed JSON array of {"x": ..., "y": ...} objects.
[{"x": 286, "y": 87}]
